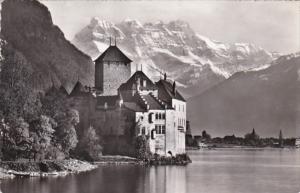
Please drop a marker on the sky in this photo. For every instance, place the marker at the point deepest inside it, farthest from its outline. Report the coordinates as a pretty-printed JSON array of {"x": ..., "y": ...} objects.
[{"x": 273, "y": 25}]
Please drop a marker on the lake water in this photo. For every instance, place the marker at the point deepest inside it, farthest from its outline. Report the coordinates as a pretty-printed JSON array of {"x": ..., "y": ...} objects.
[{"x": 212, "y": 171}]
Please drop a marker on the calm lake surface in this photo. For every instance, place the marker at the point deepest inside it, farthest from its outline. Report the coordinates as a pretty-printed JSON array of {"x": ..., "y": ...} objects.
[{"x": 212, "y": 171}]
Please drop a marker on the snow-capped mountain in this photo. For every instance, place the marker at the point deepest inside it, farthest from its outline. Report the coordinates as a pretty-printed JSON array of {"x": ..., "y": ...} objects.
[{"x": 195, "y": 61}]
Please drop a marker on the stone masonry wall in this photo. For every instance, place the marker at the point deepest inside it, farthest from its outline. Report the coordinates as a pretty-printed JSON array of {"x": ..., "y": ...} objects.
[{"x": 114, "y": 74}]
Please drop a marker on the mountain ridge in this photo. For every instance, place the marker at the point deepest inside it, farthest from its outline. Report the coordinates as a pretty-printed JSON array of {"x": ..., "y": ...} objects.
[
  {"x": 267, "y": 100},
  {"x": 28, "y": 27},
  {"x": 174, "y": 48}
]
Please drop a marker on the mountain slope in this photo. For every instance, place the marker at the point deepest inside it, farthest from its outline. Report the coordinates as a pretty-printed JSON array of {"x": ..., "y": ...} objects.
[
  {"x": 195, "y": 61},
  {"x": 27, "y": 26},
  {"x": 267, "y": 100}
]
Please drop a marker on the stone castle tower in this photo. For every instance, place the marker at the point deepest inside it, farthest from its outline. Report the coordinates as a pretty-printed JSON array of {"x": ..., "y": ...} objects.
[{"x": 112, "y": 68}]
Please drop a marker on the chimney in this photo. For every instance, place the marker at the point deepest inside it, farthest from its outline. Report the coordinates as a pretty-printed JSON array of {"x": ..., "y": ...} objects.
[
  {"x": 174, "y": 88},
  {"x": 109, "y": 41},
  {"x": 115, "y": 41},
  {"x": 133, "y": 89},
  {"x": 138, "y": 84},
  {"x": 165, "y": 76}
]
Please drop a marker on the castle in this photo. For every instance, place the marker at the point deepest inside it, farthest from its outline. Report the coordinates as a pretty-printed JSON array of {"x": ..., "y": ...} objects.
[{"x": 123, "y": 107}]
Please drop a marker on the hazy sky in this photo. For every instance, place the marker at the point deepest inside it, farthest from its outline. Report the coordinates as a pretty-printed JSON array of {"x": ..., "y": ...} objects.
[{"x": 272, "y": 25}]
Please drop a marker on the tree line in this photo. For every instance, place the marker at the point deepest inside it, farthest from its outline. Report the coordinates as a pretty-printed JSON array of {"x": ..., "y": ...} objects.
[
  {"x": 36, "y": 125},
  {"x": 250, "y": 139}
]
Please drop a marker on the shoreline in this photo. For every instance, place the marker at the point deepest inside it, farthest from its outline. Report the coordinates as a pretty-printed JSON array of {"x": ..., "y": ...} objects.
[
  {"x": 236, "y": 147},
  {"x": 12, "y": 169},
  {"x": 47, "y": 168}
]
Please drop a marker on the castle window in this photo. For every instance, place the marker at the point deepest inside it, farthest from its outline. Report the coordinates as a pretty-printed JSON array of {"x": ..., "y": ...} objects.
[
  {"x": 159, "y": 116},
  {"x": 150, "y": 118},
  {"x": 152, "y": 133},
  {"x": 144, "y": 83},
  {"x": 159, "y": 129},
  {"x": 163, "y": 116},
  {"x": 156, "y": 115},
  {"x": 163, "y": 130}
]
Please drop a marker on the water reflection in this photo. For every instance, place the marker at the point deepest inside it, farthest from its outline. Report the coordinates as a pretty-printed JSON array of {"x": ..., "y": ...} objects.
[
  {"x": 166, "y": 179},
  {"x": 226, "y": 171},
  {"x": 106, "y": 179}
]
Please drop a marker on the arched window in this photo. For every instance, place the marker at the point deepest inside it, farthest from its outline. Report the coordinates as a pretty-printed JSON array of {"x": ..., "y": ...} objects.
[{"x": 152, "y": 133}]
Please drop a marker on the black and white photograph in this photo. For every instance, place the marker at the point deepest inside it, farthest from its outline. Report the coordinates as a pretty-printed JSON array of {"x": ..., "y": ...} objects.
[{"x": 149, "y": 96}]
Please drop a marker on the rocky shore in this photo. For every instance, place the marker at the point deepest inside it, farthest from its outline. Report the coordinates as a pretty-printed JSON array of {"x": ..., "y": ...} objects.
[
  {"x": 117, "y": 160},
  {"x": 11, "y": 169},
  {"x": 181, "y": 160}
]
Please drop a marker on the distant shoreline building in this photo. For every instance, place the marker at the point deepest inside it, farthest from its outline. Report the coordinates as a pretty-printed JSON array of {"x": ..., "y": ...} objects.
[
  {"x": 123, "y": 107},
  {"x": 297, "y": 142}
]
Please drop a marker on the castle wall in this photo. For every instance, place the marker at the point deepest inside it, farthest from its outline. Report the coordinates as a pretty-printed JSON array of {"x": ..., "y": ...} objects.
[
  {"x": 170, "y": 131},
  {"x": 180, "y": 125},
  {"x": 114, "y": 74},
  {"x": 99, "y": 76},
  {"x": 116, "y": 126},
  {"x": 85, "y": 106}
]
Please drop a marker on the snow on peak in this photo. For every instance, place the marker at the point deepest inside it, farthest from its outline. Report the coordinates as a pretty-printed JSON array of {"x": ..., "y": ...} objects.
[
  {"x": 213, "y": 44},
  {"x": 96, "y": 22},
  {"x": 174, "y": 47},
  {"x": 133, "y": 23}
]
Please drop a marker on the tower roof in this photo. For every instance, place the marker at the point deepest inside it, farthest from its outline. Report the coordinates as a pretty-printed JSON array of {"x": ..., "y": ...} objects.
[{"x": 113, "y": 54}]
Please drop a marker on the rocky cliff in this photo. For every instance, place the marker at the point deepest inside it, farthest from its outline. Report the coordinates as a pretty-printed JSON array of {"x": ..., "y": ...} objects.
[{"x": 27, "y": 26}]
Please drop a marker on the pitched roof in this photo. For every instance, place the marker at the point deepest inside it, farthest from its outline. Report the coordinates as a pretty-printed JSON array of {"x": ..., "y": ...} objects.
[
  {"x": 63, "y": 90},
  {"x": 152, "y": 102},
  {"x": 79, "y": 90},
  {"x": 165, "y": 92},
  {"x": 109, "y": 100},
  {"x": 139, "y": 102},
  {"x": 113, "y": 54},
  {"x": 131, "y": 82},
  {"x": 134, "y": 107}
]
